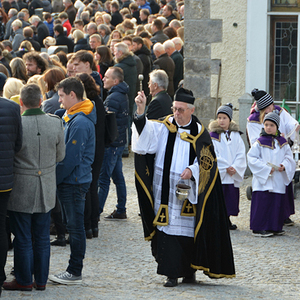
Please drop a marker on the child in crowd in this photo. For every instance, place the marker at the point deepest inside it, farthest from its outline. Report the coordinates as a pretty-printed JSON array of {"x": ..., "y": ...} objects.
[
  {"x": 231, "y": 157},
  {"x": 271, "y": 161}
]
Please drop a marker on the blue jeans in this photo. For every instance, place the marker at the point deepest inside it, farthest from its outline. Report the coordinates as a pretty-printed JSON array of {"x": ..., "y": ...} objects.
[
  {"x": 112, "y": 168},
  {"x": 31, "y": 246},
  {"x": 4, "y": 196},
  {"x": 72, "y": 200}
]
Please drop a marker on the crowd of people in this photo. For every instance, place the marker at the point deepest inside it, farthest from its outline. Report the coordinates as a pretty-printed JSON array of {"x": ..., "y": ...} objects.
[
  {"x": 69, "y": 67},
  {"x": 80, "y": 59}
]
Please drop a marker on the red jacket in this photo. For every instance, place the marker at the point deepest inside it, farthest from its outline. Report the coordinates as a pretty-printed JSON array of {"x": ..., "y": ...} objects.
[{"x": 68, "y": 26}]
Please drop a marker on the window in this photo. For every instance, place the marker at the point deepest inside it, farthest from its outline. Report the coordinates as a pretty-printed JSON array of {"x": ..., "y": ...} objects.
[{"x": 283, "y": 58}]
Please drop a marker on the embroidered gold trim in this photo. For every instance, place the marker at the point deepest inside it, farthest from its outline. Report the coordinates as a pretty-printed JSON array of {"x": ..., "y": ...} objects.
[
  {"x": 204, "y": 203},
  {"x": 186, "y": 206},
  {"x": 163, "y": 215},
  {"x": 149, "y": 238},
  {"x": 206, "y": 271},
  {"x": 205, "y": 165},
  {"x": 144, "y": 188}
]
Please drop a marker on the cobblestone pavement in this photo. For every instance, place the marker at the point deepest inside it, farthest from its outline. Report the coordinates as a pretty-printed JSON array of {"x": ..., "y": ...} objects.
[{"x": 119, "y": 265}]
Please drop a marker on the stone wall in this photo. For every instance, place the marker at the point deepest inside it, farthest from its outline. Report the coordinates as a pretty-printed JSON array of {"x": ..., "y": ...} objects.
[{"x": 215, "y": 34}]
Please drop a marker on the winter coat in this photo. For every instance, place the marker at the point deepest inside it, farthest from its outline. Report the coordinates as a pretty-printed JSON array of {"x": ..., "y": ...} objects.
[
  {"x": 79, "y": 122},
  {"x": 145, "y": 56},
  {"x": 82, "y": 44},
  {"x": 10, "y": 141},
  {"x": 128, "y": 64},
  {"x": 164, "y": 62},
  {"x": 117, "y": 102}
]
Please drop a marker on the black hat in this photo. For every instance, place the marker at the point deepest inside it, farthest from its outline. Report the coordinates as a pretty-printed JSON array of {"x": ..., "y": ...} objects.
[
  {"x": 226, "y": 109},
  {"x": 263, "y": 99},
  {"x": 184, "y": 95},
  {"x": 273, "y": 117}
]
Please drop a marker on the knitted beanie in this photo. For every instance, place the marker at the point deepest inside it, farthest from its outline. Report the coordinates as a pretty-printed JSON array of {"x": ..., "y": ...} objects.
[
  {"x": 273, "y": 117},
  {"x": 262, "y": 98},
  {"x": 226, "y": 109}
]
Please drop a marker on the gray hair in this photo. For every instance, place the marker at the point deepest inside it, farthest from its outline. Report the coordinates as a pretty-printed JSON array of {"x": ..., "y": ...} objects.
[
  {"x": 105, "y": 28},
  {"x": 160, "y": 77},
  {"x": 34, "y": 19},
  {"x": 122, "y": 47}
]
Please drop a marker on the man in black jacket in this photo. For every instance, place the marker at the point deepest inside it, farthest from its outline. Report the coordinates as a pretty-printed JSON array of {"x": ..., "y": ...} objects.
[
  {"x": 28, "y": 35},
  {"x": 117, "y": 102},
  {"x": 116, "y": 17},
  {"x": 144, "y": 54},
  {"x": 10, "y": 143},
  {"x": 164, "y": 62},
  {"x": 61, "y": 39},
  {"x": 42, "y": 29}
]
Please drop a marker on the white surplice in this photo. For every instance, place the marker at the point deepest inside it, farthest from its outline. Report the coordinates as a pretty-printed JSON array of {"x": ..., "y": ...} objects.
[
  {"x": 287, "y": 124},
  {"x": 153, "y": 139},
  {"x": 231, "y": 153},
  {"x": 259, "y": 156}
]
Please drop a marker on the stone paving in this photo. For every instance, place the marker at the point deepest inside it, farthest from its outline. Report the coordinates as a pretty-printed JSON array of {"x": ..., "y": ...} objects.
[{"x": 119, "y": 265}]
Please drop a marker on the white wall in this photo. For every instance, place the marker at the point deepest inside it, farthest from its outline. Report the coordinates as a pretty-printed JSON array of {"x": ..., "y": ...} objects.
[{"x": 257, "y": 45}]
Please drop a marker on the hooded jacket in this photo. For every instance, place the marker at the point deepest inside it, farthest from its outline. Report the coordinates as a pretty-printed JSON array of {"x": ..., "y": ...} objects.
[
  {"x": 79, "y": 122},
  {"x": 128, "y": 64},
  {"x": 117, "y": 102}
]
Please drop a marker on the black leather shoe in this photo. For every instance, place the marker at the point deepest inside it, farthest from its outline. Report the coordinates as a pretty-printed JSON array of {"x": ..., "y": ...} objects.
[
  {"x": 89, "y": 234},
  {"x": 170, "y": 282},
  {"x": 190, "y": 279},
  {"x": 95, "y": 232},
  {"x": 59, "y": 241}
]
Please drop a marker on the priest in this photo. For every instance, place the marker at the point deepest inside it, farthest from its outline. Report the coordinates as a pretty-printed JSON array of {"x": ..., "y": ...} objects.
[{"x": 186, "y": 235}]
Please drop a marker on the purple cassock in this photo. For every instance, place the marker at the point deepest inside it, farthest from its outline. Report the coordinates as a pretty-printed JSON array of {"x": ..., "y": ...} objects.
[{"x": 232, "y": 197}]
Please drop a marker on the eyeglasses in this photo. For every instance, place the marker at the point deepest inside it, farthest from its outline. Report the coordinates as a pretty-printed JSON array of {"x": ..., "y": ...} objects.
[{"x": 180, "y": 110}]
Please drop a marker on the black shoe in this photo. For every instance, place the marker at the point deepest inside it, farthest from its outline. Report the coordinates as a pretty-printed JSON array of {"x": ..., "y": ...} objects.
[
  {"x": 190, "y": 279},
  {"x": 170, "y": 282},
  {"x": 116, "y": 216},
  {"x": 95, "y": 232},
  {"x": 89, "y": 234},
  {"x": 231, "y": 226},
  {"x": 288, "y": 222},
  {"x": 59, "y": 241},
  {"x": 68, "y": 240},
  {"x": 125, "y": 155}
]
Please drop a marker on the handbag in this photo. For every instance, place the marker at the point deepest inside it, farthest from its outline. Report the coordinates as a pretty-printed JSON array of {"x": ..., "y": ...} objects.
[{"x": 111, "y": 128}]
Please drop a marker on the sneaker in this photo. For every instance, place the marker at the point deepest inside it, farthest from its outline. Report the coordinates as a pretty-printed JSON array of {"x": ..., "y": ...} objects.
[
  {"x": 116, "y": 216},
  {"x": 66, "y": 278},
  {"x": 262, "y": 233},
  {"x": 280, "y": 232},
  {"x": 288, "y": 222}
]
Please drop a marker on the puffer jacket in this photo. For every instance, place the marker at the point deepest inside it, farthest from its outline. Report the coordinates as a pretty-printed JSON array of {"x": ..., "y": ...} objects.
[
  {"x": 117, "y": 101},
  {"x": 10, "y": 141}
]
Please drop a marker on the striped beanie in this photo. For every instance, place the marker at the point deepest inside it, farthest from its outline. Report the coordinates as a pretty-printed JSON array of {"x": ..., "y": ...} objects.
[
  {"x": 273, "y": 117},
  {"x": 226, "y": 109},
  {"x": 262, "y": 98}
]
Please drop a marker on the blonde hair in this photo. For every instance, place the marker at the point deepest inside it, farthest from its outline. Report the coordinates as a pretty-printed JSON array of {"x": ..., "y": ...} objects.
[
  {"x": 12, "y": 87},
  {"x": 78, "y": 35},
  {"x": 38, "y": 79}
]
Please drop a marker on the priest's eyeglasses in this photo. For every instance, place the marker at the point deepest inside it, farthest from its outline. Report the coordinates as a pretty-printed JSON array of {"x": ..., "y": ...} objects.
[{"x": 180, "y": 110}]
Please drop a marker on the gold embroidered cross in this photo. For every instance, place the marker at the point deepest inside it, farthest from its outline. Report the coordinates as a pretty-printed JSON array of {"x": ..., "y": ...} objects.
[
  {"x": 188, "y": 207},
  {"x": 162, "y": 216}
]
